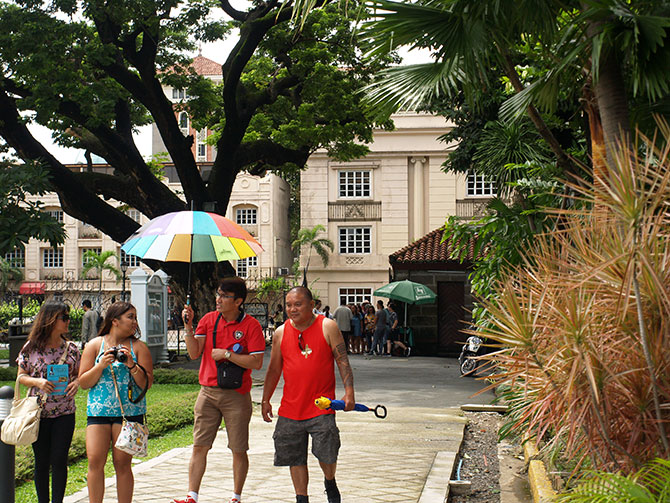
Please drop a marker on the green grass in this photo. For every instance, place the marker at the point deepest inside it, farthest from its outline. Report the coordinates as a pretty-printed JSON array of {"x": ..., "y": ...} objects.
[
  {"x": 4, "y": 354},
  {"x": 180, "y": 437}
]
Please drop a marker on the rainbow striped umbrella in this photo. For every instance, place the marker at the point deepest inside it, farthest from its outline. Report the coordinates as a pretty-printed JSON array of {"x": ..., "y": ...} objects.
[{"x": 191, "y": 236}]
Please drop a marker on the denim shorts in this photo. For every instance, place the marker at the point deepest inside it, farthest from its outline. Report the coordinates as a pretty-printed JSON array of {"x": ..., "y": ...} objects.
[
  {"x": 113, "y": 419},
  {"x": 290, "y": 438}
]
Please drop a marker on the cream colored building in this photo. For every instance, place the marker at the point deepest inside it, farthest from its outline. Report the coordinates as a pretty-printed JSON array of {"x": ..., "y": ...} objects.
[
  {"x": 374, "y": 206},
  {"x": 259, "y": 204}
]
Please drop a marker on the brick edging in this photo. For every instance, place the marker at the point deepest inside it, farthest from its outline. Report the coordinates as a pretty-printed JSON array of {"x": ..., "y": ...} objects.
[{"x": 540, "y": 485}]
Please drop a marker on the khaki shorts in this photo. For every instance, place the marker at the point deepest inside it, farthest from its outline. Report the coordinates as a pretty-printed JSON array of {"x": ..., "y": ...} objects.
[{"x": 212, "y": 405}]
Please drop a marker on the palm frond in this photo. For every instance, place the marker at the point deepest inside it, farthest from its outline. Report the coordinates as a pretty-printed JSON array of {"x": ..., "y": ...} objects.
[{"x": 409, "y": 87}]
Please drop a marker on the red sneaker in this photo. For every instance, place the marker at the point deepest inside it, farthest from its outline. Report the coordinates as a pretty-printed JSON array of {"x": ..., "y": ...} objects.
[{"x": 187, "y": 499}]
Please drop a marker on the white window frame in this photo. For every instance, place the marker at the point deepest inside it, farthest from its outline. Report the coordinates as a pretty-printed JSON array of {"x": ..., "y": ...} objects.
[
  {"x": 244, "y": 264},
  {"x": 354, "y": 240},
  {"x": 134, "y": 214},
  {"x": 17, "y": 257},
  {"x": 133, "y": 261},
  {"x": 179, "y": 94},
  {"x": 354, "y": 295},
  {"x": 201, "y": 145},
  {"x": 354, "y": 184},
  {"x": 180, "y": 119},
  {"x": 56, "y": 214},
  {"x": 246, "y": 216},
  {"x": 479, "y": 186},
  {"x": 52, "y": 259},
  {"x": 96, "y": 249}
]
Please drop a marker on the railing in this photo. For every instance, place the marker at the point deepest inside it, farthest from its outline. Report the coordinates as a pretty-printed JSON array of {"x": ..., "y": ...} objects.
[
  {"x": 354, "y": 210},
  {"x": 471, "y": 208}
]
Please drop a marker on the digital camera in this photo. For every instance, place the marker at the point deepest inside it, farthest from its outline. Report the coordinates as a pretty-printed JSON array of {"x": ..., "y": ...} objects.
[{"x": 120, "y": 356}]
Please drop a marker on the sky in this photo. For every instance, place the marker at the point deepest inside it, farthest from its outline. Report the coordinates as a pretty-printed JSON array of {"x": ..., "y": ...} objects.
[{"x": 216, "y": 52}]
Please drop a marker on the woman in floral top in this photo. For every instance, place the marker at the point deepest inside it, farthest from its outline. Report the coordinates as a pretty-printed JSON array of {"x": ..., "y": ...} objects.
[
  {"x": 100, "y": 366},
  {"x": 47, "y": 345}
]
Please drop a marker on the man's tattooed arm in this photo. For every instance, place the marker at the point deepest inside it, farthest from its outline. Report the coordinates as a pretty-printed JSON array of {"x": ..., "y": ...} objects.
[{"x": 342, "y": 360}]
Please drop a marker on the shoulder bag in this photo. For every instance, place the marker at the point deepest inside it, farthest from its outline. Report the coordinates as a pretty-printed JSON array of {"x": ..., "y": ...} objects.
[
  {"x": 228, "y": 375},
  {"x": 22, "y": 426},
  {"x": 134, "y": 437}
]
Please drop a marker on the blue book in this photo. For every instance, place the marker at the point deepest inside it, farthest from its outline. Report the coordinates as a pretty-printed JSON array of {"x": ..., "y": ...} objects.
[{"x": 58, "y": 374}]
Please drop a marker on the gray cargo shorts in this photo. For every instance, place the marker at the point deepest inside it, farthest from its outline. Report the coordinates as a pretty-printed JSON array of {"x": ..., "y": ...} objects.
[{"x": 290, "y": 439}]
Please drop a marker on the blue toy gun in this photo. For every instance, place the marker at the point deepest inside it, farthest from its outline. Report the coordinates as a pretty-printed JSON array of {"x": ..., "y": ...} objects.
[{"x": 324, "y": 403}]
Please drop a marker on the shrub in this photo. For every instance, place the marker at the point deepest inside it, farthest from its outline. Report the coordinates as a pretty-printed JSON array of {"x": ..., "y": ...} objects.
[
  {"x": 175, "y": 376},
  {"x": 161, "y": 417},
  {"x": 583, "y": 324},
  {"x": 10, "y": 310},
  {"x": 8, "y": 373}
]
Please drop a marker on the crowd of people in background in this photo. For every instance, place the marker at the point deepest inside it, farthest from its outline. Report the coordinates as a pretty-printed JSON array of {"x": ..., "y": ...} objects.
[{"x": 367, "y": 330}]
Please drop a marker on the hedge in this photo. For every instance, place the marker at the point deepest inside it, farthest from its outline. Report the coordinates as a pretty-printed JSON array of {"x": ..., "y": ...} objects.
[{"x": 161, "y": 418}]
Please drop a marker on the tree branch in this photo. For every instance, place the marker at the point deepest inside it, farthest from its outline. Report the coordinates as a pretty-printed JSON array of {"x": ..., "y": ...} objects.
[{"x": 232, "y": 12}]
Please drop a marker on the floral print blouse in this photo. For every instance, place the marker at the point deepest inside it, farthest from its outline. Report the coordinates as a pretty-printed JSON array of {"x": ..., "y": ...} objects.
[{"x": 35, "y": 363}]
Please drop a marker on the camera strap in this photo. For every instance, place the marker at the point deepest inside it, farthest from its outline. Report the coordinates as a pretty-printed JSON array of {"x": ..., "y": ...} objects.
[{"x": 144, "y": 390}]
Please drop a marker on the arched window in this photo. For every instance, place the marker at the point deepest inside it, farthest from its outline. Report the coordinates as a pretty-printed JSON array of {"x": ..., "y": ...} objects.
[{"x": 183, "y": 122}]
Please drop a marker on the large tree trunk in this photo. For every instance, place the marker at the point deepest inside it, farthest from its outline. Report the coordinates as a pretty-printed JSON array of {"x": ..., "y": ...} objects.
[{"x": 610, "y": 98}]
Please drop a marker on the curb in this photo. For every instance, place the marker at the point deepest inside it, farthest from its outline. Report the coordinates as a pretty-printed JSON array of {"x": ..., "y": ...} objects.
[{"x": 540, "y": 486}]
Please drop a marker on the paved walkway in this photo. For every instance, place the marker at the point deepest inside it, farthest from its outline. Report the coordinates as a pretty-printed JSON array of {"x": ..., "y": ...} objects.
[{"x": 407, "y": 457}]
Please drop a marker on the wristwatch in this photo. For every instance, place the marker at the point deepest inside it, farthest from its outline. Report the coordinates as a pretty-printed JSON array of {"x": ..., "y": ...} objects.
[{"x": 226, "y": 354}]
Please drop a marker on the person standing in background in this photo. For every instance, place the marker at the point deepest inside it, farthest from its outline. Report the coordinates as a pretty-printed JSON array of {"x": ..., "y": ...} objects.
[
  {"x": 89, "y": 323},
  {"x": 342, "y": 317}
]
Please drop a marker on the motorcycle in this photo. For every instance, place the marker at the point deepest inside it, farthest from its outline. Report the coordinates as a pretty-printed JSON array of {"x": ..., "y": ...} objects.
[{"x": 467, "y": 362}]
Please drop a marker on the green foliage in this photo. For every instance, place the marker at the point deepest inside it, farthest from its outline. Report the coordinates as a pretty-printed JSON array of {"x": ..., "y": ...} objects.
[
  {"x": 175, "y": 376},
  {"x": 581, "y": 323},
  {"x": 8, "y": 373},
  {"x": 21, "y": 217},
  {"x": 651, "y": 484},
  {"x": 10, "y": 310},
  {"x": 172, "y": 411},
  {"x": 501, "y": 239},
  {"x": 8, "y": 274},
  {"x": 310, "y": 238}
]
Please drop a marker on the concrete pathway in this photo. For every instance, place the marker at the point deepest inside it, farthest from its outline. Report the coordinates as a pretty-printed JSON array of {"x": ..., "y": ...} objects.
[{"x": 407, "y": 457}]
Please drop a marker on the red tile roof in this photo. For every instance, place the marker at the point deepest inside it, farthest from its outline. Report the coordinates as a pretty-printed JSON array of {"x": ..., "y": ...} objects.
[
  {"x": 205, "y": 66},
  {"x": 430, "y": 249}
]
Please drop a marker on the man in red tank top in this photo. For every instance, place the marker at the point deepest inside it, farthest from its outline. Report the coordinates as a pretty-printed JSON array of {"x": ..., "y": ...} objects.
[{"x": 305, "y": 349}]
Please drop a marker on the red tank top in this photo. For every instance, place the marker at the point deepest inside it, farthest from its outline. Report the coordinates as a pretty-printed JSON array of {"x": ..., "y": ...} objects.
[{"x": 308, "y": 373}]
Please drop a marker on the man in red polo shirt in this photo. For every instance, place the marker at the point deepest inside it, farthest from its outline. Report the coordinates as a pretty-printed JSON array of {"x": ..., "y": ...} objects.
[
  {"x": 239, "y": 340},
  {"x": 305, "y": 349}
]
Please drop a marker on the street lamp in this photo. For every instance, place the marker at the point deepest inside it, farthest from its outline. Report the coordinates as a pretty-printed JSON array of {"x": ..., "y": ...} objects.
[{"x": 124, "y": 268}]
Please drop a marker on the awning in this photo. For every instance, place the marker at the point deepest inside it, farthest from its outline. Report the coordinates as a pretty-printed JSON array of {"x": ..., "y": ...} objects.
[{"x": 34, "y": 288}]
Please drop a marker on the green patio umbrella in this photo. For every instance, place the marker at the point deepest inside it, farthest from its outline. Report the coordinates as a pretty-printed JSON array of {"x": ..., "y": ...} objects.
[{"x": 408, "y": 292}]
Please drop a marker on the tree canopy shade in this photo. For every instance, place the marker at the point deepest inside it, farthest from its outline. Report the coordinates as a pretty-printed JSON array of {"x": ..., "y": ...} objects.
[
  {"x": 610, "y": 56},
  {"x": 21, "y": 218},
  {"x": 93, "y": 71}
]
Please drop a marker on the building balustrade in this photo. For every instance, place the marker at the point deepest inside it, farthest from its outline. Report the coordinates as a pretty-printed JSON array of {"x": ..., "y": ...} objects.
[
  {"x": 471, "y": 208},
  {"x": 341, "y": 211}
]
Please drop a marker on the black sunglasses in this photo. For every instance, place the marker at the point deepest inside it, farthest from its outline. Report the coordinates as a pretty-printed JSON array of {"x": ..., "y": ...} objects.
[
  {"x": 64, "y": 317},
  {"x": 302, "y": 348}
]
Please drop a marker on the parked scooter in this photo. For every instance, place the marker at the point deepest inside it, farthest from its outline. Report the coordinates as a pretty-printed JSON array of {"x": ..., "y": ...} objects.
[{"x": 467, "y": 362}]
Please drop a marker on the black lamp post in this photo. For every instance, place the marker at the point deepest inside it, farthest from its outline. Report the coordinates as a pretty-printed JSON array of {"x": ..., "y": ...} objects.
[{"x": 124, "y": 268}]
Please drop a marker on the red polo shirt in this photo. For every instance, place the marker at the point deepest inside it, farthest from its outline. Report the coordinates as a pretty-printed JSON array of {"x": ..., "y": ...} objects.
[{"x": 245, "y": 330}]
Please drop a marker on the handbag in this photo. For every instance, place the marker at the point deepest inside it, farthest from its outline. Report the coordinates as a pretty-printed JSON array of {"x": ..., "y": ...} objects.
[
  {"x": 134, "y": 437},
  {"x": 228, "y": 374},
  {"x": 22, "y": 426}
]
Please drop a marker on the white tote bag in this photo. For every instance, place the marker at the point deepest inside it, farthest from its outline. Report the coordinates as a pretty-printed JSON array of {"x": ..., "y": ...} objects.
[{"x": 22, "y": 426}]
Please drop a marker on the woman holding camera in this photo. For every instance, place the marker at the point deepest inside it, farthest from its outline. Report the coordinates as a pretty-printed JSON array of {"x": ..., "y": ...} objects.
[
  {"x": 47, "y": 349},
  {"x": 115, "y": 353}
]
